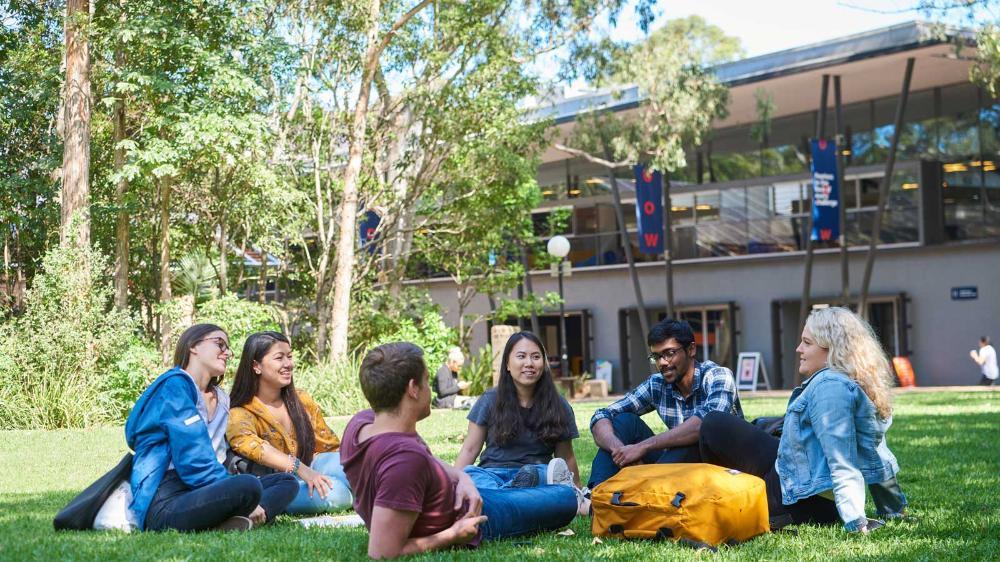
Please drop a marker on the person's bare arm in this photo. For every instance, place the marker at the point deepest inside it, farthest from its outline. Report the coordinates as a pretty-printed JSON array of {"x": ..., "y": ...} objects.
[
  {"x": 465, "y": 490},
  {"x": 564, "y": 450},
  {"x": 604, "y": 435},
  {"x": 977, "y": 357},
  {"x": 273, "y": 458},
  {"x": 680, "y": 436},
  {"x": 472, "y": 446},
  {"x": 390, "y": 533}
]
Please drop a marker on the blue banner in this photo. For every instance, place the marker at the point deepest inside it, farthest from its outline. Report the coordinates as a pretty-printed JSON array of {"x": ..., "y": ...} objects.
[
  {"x": 649, "y": 210},
  {"x": 826, "y": 190},
  {"x": 367, "y": 229}
]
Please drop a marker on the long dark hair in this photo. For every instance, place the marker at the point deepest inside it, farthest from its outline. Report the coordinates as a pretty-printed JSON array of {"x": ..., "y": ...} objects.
[
  {"x": 247, "y": 384},
  {"x": 189, "y": 339},
  {"x": 548, "y": 415}
]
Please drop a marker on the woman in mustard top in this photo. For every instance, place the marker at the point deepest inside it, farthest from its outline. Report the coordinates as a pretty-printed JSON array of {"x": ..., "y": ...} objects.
[{"x": 274, "y": 425}]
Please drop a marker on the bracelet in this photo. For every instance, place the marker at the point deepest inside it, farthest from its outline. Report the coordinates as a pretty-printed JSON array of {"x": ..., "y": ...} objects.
[{"x": 295, "y": 464}]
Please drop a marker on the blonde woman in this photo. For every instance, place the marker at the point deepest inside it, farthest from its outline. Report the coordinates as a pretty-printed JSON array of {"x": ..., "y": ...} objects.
[{"x": 833, "y": 437}]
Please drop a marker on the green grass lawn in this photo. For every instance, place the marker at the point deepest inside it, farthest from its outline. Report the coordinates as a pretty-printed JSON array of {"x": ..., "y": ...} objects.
[{"x": 947, "y": 443}]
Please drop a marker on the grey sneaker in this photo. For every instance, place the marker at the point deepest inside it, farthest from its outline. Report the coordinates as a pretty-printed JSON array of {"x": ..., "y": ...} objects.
[
  {"x": 235, "y": 523},
  {"x": 527, "y": 477},
  {"x": 558, "y": 473}
]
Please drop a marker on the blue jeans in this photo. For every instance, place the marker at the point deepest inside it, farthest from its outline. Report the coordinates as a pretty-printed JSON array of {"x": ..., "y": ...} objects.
[
  {"x": 499, "y": 478},
  {"x": 176, "y": 506},
  {"x": 339, "y": 496},
  {"x": 630, "y": 429},
  {"x": 512, "y": 512}
]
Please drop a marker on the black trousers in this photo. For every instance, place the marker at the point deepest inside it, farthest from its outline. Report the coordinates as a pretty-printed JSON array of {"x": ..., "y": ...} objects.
[
  {"x": 176, "y": 506},
  {"x": 732, "y": 442}
]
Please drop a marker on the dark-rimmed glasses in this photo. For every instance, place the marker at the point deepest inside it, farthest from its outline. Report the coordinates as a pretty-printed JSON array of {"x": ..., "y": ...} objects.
[
  {"x": 667, "y": 354},
  {"x": 221, "y": 342}
]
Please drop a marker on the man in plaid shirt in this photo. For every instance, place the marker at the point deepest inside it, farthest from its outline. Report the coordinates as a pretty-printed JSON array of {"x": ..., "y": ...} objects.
[{"x": 682, "y": 392}]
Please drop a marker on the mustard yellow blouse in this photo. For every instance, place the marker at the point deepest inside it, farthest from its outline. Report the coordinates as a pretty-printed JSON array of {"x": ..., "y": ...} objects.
[{"x": 251, "y": 425}]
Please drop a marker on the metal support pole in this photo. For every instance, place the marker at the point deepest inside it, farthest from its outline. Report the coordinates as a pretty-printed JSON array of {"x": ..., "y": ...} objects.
[
  {"x": 668, "y": 241},
  {"x": 807, "y": 275},
  {"x": 883, "y": 191},
  {"x": 563, "y": 353},
  {"x": 527, "y": 287},
  {"x": 838, "y": 125}
]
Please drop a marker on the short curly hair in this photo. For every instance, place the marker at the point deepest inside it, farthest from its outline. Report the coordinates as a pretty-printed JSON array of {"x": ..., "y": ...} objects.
[{"x": 387, "y": 370}]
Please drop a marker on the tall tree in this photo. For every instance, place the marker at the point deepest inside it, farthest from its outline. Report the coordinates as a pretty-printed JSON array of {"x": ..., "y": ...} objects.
[
  {"x": 682, "y": 97},
  {"x": 75, "y": 197}
]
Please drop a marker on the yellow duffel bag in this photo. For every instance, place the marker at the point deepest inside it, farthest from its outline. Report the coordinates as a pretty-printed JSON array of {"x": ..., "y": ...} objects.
[{"x": 699, "y": 503}]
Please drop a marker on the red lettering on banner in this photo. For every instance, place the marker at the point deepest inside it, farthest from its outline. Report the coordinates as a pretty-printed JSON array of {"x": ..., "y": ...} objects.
[
  {"x": 825, "y": 233},
  {"x": 651, "y": 239},
  {"x": 369, "y": 234},
  {"x": 648, "y": 207},
  {"x": 647, "y": 175}
]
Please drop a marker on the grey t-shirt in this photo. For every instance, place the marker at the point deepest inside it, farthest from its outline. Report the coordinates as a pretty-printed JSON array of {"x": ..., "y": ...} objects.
[{"x": 525, "y": 448}]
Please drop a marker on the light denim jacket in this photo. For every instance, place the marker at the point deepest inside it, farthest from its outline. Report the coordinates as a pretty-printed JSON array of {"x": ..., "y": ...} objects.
[{"x": 833, "y": 439}]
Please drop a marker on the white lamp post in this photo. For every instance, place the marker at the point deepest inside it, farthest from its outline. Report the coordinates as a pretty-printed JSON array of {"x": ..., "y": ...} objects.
[{"x": 558, "y": 247}]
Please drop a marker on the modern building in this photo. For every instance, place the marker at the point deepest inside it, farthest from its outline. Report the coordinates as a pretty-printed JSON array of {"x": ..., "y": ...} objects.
[{"x": 739, "y": 214}]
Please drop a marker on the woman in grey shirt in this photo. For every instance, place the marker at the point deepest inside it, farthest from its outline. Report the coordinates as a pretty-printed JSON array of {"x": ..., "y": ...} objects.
[{"x": 525, "y": 425}]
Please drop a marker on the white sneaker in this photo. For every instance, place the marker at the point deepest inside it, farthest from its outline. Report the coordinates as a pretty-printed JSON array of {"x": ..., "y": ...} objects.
[{"x": 558, "y": 472}]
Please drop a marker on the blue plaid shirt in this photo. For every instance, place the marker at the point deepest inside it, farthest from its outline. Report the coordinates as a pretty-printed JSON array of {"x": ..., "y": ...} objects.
[{"x": 713, "y": 389}]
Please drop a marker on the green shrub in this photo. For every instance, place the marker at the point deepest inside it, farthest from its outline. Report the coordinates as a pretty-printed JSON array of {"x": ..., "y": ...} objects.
[
  {"x": 335, "y": 386},
  {"x": 430, "y": 333},
  {"x": 478, "y": 371},
  {"x": 410, "y": 316},
  {"x": 58, "y": 360},
  {"x": 239, "y": 318},
  {"x": 130, "y": 374}
]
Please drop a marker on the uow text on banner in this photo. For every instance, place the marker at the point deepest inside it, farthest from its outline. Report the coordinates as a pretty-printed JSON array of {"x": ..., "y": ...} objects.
[{"x": 649, "y": 209}]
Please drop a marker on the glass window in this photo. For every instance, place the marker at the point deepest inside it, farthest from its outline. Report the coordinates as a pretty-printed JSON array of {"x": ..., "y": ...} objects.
[
  {"x": 734, "y": 205},
  {"x": 760, "y": 202},
  {"x": 681, "y": 209},
  {"x": 868, "y": 189},
  {"x": 787, "y": 198},
  {"x": 707, "y": 205}
]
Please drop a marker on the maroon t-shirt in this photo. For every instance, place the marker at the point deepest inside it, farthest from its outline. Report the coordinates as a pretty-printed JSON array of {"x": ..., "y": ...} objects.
[{"x": 397, "y": 471}]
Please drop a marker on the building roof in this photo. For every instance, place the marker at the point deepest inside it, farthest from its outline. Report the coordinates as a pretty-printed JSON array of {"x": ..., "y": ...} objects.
[{"x": 826, "y": 54}]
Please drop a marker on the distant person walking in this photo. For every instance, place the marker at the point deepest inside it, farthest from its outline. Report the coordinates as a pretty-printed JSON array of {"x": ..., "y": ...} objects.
[{"x": 986, "y": 358}]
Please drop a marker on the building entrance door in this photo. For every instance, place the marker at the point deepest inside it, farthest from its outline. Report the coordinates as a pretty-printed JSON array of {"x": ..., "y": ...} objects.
[
  {"x": 714, "y": 327},
  {"x": 886, "y": 314}
]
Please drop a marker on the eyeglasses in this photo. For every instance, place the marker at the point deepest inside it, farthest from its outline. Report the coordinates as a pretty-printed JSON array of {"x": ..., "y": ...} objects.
[
  {"x": 222, "y": 343},
  {"x": 667, "y": 354}
]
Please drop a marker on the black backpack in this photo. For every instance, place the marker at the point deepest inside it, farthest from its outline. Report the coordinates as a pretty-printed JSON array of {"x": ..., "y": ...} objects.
[{"x": 79, "y": 514}]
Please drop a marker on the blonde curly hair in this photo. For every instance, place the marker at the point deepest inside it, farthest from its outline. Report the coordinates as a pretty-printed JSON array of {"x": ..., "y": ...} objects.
[{"x": 855, "y": 351}]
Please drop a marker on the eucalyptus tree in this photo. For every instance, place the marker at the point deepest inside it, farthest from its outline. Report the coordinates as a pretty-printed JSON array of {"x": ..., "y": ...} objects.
[{"x": 681, "y": 97}]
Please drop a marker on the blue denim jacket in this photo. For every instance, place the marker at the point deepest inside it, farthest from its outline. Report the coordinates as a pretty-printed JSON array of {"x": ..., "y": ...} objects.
[{"x": 833, "y": 439}]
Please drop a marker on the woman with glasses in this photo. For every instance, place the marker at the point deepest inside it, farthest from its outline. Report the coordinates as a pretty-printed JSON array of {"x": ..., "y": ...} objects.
[
  {"x": 526, "y": 426},
  {"x": 178, "y": 480},
  {"x": 279, "y": 428},
  {"x": 833, "y": 435}
]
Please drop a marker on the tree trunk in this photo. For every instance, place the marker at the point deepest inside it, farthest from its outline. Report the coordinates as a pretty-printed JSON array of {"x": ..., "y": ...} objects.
[
  {"x": 166, "y": 186},
  {"x": 121, "y": 192},
  {"x": 627, "y": 246},
  {"x": 75, "y": 196},
  {"x": 340, "y": 315},
  {"x": 262, "y": 279}
]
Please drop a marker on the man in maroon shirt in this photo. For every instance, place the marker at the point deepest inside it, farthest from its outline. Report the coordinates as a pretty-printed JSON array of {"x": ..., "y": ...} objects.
[{"x": 411, "y": 501}]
